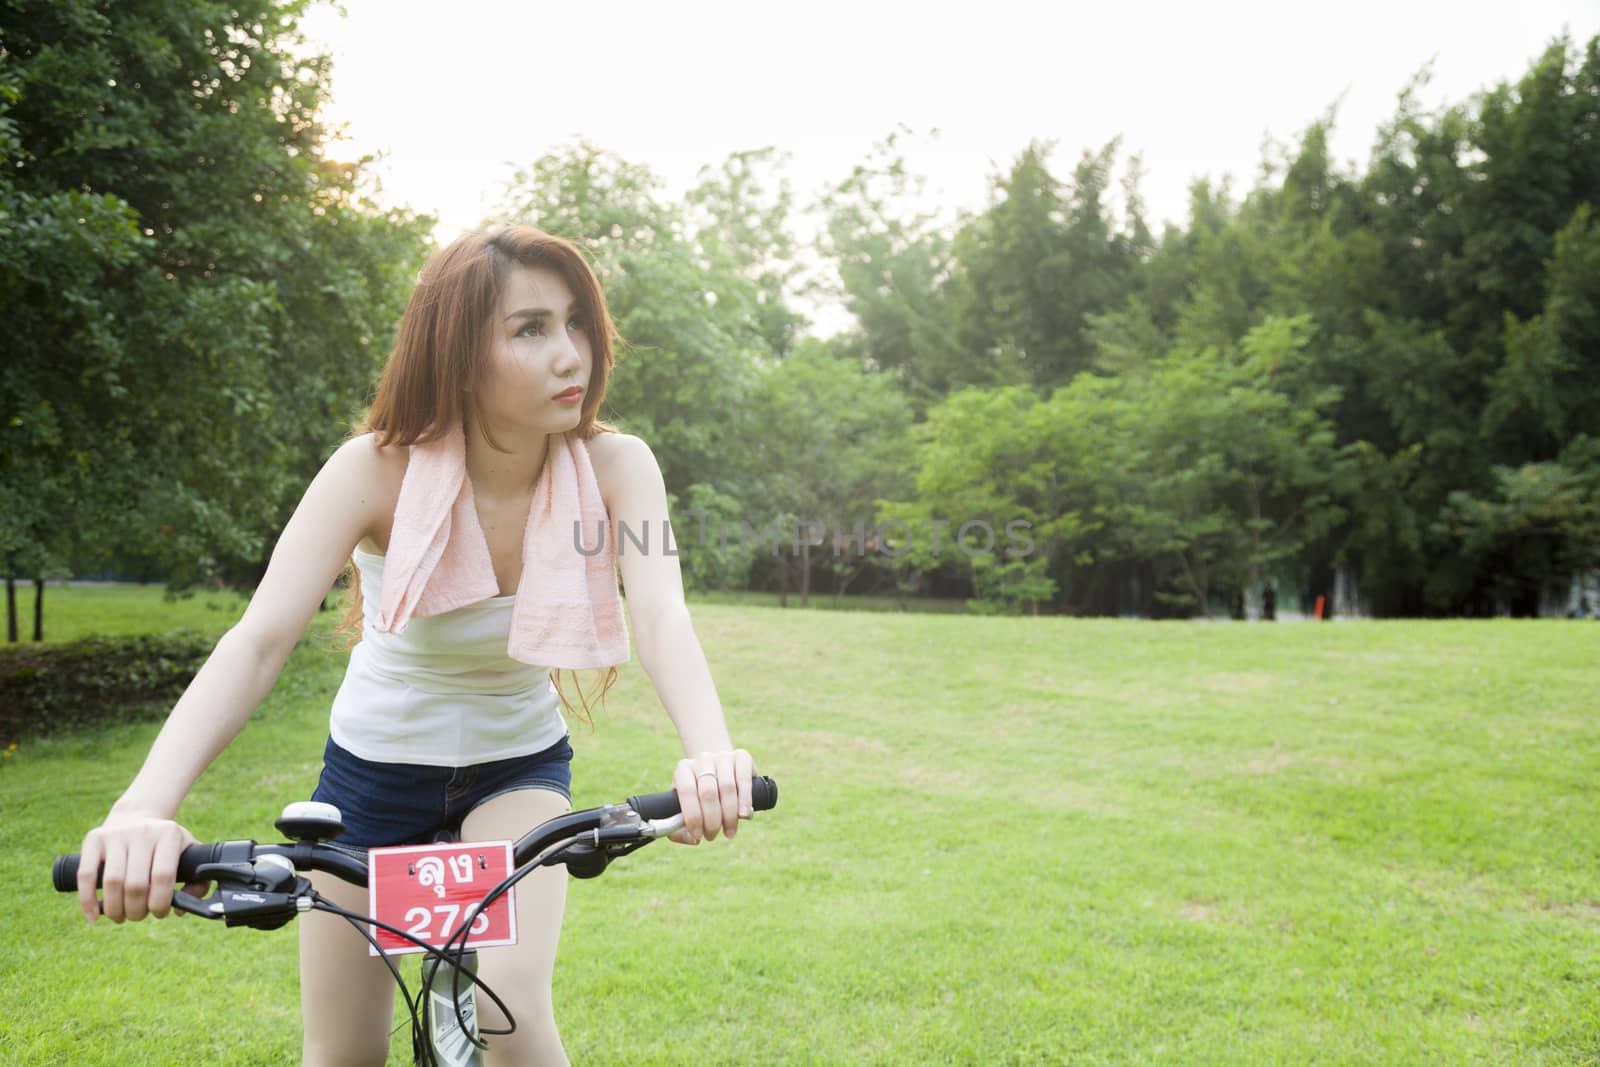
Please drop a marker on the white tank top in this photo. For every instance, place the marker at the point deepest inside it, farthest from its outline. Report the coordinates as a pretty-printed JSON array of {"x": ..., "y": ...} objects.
[{"x": 444, "y": 693}]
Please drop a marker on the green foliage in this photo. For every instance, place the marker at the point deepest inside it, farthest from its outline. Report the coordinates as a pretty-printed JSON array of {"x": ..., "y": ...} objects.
[
  {"x": 1386, "y": 373},
  {"x": 749, "y": 424},
  {"x": 835, "y": 438},
  {"x": 1212, "y": 467},
  {"x": 198, "y": 297},
  {"x": 738, "y": 222},
  {"x": 1546, "y": 390},
  {"x": 1037, "y": 264},
  {"x": 1014, "y": 466},
  {"x": 94, "y": 681},
  {"x": 890, "y": 271},
  {"x": 1538, "y": 525},
  {"x": 694, "y": 298},
  {"x": 1468, "y": 358},
  {"x": 1325, "y": 372},
  {"x": 1233, "y": 464},
  {"x": 710, "y": 557},
  {"x": 1007, "y": 299}
]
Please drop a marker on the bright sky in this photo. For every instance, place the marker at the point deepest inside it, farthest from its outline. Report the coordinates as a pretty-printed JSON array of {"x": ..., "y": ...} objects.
[{"x": 456, "y": 95}]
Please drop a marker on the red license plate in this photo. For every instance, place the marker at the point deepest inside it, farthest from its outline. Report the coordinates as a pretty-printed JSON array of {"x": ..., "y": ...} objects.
[{"x": 430, "y": 890}]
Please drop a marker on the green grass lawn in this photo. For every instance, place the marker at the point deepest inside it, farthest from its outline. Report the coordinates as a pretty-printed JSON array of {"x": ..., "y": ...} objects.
[
  {"x": 81, "y": 609},
  {"x": 824, "y": 601},
  {"x": 1000, "y": 841}
]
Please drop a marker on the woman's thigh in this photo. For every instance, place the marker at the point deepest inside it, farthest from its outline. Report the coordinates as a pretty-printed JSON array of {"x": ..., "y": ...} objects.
[
  {"x": 346, "y": 996},
  {"x": 521, "y": 973}
]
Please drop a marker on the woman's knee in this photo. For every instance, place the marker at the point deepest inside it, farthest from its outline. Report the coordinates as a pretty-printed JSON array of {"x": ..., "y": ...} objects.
[
  {"x": 316, "y": 1053},
  {"x": 536, "y": 1040}
]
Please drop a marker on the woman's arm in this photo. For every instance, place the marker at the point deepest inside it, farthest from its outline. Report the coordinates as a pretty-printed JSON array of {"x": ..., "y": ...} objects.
[
  {"x": 139, "y": 843},
  {"x": 713, "y": 782}
]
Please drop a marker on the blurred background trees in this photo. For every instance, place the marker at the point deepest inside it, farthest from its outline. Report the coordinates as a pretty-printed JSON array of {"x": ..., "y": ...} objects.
[
  {"x": 1381, "y": 388},
  {"x": 196, "y": 296},
  {"x": 1384, "y": 383}
]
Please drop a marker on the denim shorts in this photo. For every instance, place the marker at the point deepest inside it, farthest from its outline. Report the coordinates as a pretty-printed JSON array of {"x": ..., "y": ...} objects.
[{"x": 407, "y": 804}]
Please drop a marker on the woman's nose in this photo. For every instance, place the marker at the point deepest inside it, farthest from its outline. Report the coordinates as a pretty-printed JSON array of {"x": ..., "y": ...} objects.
[{"x": 566, "y": 360}]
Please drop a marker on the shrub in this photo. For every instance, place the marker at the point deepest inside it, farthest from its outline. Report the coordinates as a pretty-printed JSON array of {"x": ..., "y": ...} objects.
[{"x": 52, "y": 689}]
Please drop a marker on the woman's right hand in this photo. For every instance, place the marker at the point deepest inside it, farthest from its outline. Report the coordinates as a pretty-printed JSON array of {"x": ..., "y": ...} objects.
[{"x": 140, "y": 853}]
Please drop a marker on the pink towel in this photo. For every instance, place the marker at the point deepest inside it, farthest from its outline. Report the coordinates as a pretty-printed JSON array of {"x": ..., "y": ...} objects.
[{"x": 567, "y": 612}]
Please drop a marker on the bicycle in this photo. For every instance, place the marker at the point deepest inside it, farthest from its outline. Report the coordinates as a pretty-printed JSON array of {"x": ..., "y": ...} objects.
[{"x": 259, "y": 885}]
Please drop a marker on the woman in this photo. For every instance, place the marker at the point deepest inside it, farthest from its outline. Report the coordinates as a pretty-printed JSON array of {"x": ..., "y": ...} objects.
[{"x": 447, "y": 716}]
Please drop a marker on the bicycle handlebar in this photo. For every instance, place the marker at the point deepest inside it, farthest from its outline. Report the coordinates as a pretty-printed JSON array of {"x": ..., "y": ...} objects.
[
  {"x": 664, "y": 805},
  {"x": 349, "y": 863},
  {"x": 64, "y": 871}
]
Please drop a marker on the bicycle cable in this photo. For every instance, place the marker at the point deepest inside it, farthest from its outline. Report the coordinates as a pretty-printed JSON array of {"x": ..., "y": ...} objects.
[
  {"x": 361, "y": 928},
  {"x": 419, "y": 1037},
  {"x": 548, "y": 856}
]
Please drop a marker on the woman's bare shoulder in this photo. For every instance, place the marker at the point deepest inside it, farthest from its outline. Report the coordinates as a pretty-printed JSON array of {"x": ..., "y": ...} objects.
[
  {"x": 383, "y": 460},
  {"x": 606, "y": 445},
  {"x": 371, "y": 475},
  {"x": 629, "y": 476},
  {"x": 363, "y": 460},
  {"x": 615, "y": 455}
]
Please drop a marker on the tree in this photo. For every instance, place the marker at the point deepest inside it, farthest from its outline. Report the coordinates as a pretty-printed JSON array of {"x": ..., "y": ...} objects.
[
  {"x": 1532, "y": 533},
  {"x": 1468, "y": 355},
  {"x": 1547, "y": 390},
  {"x": 1036, "y": 265},
  {"x": 693, "y": 331},
  {"x": 834, "y": 441},
  {"x": 893, "y": 261},
  {"x": 200, "y": 296},
  {"x": 1222, "y": 462},
  {"x": 1003, "y": 491},
  {"x": 739, "y": 226}
]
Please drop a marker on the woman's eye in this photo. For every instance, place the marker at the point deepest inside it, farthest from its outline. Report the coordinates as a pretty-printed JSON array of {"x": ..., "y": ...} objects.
[{"x": 536, "y": 327}]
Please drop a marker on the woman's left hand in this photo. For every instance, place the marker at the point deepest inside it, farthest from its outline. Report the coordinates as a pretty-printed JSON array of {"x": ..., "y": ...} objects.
[{"x": 714, "y": 792}]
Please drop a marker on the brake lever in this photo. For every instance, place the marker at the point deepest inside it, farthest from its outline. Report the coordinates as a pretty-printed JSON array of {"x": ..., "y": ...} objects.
[
  {"x": 588, "y": 856},
  {"x": 655, "y": 828},
  {"x": 264, "y": 894}
]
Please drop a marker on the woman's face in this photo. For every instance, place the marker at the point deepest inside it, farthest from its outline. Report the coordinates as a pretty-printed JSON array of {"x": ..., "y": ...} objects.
[{"x": 539, "y": 363}]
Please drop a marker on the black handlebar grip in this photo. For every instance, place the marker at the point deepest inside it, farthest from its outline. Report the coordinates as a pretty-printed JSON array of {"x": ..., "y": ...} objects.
[
  {"x": 664, "y": 805},
  {"x": 64, "y": 871}
]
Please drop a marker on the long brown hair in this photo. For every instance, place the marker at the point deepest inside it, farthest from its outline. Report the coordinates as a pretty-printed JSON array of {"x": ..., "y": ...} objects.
[{"x": 445, "y": 339}]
